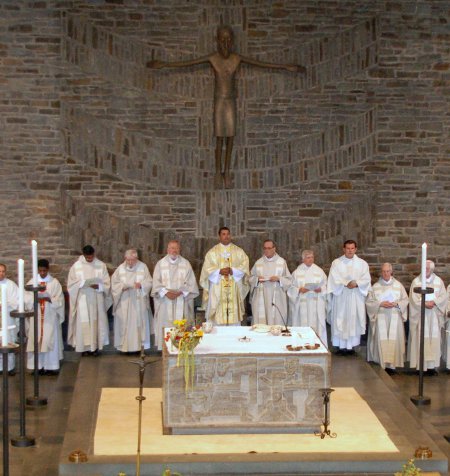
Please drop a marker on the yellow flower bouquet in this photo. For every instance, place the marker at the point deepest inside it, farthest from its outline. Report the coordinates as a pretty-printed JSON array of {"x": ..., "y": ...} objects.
[{"x": 185, "y": 338}]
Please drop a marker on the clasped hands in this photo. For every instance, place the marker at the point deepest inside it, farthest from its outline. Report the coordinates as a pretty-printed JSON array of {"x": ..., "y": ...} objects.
[
  {"x": 172, "y": 295},
  {"x": 226, "y": 271},
  {"x": 135, "y": 286},
  {"x": 304, "y": 290},
  {"x": 352, "y": 284},
  {"x": 388, "y": 304}
]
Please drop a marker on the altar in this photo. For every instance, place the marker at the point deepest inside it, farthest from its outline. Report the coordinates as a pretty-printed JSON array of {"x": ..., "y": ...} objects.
[{"x": 247, "y": 382}]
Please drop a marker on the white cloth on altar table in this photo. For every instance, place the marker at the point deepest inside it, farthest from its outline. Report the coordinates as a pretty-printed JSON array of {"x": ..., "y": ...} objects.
[
  {"x": 223, "y": 298},
  {"x": 49, "y": 325},
  {"x": 88, "y": 323},
  {"x": 225, "y": 340},
  {"x": 386, "y": 339},
  {"x": 268, "y": 298},
  {"x": 131, "y": 307},
  {"x": 347, "y": 309},
  {"x": 434, "y": 323},
  {"x": 12, "y": 297},
  {"x": 172, "y": 275},
  {"x": 309, "y": 309}
]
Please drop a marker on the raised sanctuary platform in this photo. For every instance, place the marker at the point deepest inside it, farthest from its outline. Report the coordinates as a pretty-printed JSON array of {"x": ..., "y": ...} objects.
[
  {"x": 377, "y": 430},
  {"x": 247, "y": 381}
]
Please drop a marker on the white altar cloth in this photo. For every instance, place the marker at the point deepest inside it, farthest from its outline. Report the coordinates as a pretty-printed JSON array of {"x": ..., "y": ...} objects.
[{"x": 225, "y": 340}]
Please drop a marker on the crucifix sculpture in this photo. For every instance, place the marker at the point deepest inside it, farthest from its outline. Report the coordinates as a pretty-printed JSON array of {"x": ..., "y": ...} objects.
[{"x": 225, "y": 64}]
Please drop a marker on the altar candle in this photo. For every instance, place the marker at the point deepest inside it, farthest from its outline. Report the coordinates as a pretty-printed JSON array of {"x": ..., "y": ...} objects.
[
  {"x": 423, "y": 271},
  {"x": 34, "y": 262},
  {"x": 4, "y": 317},
  {"x": 20, "y": 267}
]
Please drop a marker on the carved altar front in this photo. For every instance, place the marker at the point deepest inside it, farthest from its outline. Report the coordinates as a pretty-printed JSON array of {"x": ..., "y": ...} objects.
[{"x": 255, "y": 386}]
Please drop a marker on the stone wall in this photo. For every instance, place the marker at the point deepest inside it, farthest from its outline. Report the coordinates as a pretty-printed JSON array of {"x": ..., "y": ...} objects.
[{"x": 97, "y": 148}]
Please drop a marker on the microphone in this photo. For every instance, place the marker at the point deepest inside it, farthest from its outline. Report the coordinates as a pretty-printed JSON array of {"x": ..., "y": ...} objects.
[{"x": 285, "y": 332}]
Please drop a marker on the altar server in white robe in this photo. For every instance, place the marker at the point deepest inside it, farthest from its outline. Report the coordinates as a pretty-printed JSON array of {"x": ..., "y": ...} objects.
[
  {"x": 89, "y": 286},
  {"x": 387, "y": 308},
  {"x": 435, "y": 310},
  {"x": 308, "y": 296},
  {"x": 269, "y": 281},
  {"x": 12, "y": 303},
  {"x": 131, "y": 284},
  {"x": 224, "y": 279},
  {"x": 174, "y": 290},
  {"x": 348, "y": 284},
  {"x": 50, "y": 318}
]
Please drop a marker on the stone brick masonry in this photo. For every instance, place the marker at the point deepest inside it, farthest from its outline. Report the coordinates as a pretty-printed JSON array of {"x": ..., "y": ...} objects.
[{"x": 96, "y": 148}]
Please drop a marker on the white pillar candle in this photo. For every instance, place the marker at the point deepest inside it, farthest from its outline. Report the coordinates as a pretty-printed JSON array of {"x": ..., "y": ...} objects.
[
  {"x": 34, "y": 262},
  {"x": 20, "y": 274},
  {"x": 423, "y": 271},
  {"x": 4, "y": 316}
]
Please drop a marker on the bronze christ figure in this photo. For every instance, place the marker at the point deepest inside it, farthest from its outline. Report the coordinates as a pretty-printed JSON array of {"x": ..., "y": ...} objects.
[{"x": 225, "y": 64}]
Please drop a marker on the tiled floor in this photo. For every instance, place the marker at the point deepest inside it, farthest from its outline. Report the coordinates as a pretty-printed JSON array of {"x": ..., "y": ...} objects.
[{"x": 49, "y": 424}]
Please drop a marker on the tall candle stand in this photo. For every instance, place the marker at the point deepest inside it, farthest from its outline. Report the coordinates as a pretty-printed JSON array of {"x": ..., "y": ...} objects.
[
  {"x": 5, "y": 350},
  {"x": 22, "y": 440},
  {"x": 36, "y": 400},
  {"x": 142, "y": 363},
  {"x": 326, "y": 392},
  {"x": 420, "y": 399}
]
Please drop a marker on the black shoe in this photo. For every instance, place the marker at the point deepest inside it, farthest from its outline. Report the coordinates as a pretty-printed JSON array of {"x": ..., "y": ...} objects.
[
  {"x": 85, "y": 353},
  {"x": 431, "y": 373},
  {"x": 51, "y": 373},
  {"x": 340, "y": 352},
  {"x": 41, "y": 371},
  {"x": 12, "y": 372},
  {"x": 350, "y": 352},
  {"x": 390, "y": 371},
  {"x": 96, "y": 353}
]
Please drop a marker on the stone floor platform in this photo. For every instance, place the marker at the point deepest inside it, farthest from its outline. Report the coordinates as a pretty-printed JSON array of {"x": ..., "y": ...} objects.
[{"x": 402, "y": 423}]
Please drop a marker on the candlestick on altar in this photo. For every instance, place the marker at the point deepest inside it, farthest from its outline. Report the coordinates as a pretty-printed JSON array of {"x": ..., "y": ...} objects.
[
  {"x": 36, "y": 400},
  {"x": 423, "y": 269},
  {"x": 34, "y": 262},
  {"x": 22, "y": 440}
]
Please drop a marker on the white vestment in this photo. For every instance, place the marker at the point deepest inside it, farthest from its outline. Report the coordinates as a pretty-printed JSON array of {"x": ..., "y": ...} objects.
[
  {"x": 268, "y": 298},
  {"x": 434, "y": 323},
  {"x": 386, "y": 339},
  {"x": 88, "y": 322},
  {"x": 50, "y": 318},
  {"x": 223, "y": 296},
  {"x": 131, "y": 308},
  {"x": 309, "y": 309},
  {"x": 172, "y": 275},
  {"x": 347, "y": 307},
  {"x": 12, "y": 296}
]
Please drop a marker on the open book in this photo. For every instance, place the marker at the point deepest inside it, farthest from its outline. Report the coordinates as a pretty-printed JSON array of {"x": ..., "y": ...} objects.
[{"x": 91, "y": 281}]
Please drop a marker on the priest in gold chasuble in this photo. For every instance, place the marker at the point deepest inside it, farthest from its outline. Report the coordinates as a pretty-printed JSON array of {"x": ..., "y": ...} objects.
[{"x": 224, "y": 279}]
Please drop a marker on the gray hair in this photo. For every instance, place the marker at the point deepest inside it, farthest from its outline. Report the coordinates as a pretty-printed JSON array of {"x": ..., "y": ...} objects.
[
  {"x": 131, "y": 253},
  {"x": 306, "y": 253},
  {"x": 387, "y": 264},
  {"x": 432, "y": 265}
]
